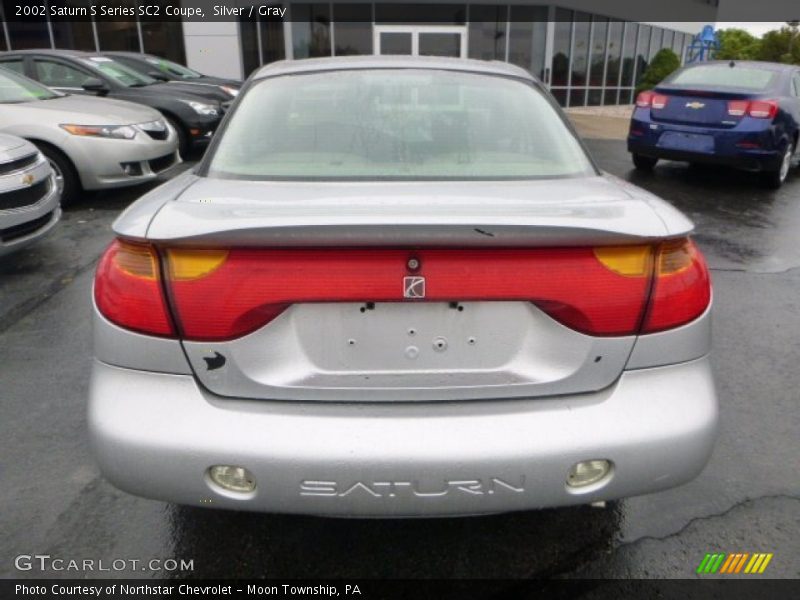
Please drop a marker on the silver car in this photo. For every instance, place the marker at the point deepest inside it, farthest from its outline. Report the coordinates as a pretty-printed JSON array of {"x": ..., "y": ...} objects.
[
  {"x": 29, "y": 201},
  {"x": 400, "y": 286},
  {"x": 91, "y": 143}
]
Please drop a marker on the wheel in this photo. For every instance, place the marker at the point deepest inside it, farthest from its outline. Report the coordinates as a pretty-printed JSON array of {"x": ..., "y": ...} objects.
[
  {"x": 67, "y": 181},
  {"x": 183, "y": 139},
  {"x": 644, "y": 163},
  {"x": 774, "y": 179}
]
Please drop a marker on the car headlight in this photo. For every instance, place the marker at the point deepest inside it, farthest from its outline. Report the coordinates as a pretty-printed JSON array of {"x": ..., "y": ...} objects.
[
  {"x": 230, "y": 90},
  {"x": 118, "y": 132},
  {"x": 204, "y": 109}
]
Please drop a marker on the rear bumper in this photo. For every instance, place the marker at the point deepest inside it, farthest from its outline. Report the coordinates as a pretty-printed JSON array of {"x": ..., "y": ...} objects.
[
  {"x": 155, "y": 435},
  {"x": 751, "y": 160},
  {"x": 726, "y": 150}
]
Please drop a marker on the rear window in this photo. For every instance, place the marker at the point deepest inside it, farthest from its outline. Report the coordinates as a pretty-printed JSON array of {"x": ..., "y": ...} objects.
[
  {"x": 707, "y": 76},
  {"x": 396, "y": 124}
]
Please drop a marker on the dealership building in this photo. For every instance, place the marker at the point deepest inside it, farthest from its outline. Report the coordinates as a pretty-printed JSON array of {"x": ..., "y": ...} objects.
[{"x": 585, "y": 58}]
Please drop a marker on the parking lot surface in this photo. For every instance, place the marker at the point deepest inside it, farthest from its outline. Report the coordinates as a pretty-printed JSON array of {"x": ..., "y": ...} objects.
[{"x": 53, "y": 500}]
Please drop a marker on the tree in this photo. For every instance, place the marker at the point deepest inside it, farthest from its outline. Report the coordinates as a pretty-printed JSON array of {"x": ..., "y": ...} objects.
[
  {"x": 776, "y": 45},
  {"x": 737, "y": 44},
  {"x": 664, "y": 62}
]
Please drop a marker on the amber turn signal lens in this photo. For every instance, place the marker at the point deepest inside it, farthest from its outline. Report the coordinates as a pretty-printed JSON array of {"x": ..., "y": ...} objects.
[
  {"x": 630, "y": 261},
  {"x": 189, "y": 264},
  {"x": 137, "y": 260}
]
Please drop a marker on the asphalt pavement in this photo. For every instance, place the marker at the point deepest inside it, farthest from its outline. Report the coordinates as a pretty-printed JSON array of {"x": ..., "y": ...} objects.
[{"x": 53, "y": 500}]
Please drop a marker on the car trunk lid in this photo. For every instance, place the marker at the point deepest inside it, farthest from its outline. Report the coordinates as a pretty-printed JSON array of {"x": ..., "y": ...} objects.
[
  {"x": 698, "y": 107},
  {"x": 335, "y": 260}
]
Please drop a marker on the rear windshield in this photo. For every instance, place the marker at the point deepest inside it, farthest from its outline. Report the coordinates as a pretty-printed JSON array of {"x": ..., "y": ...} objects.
[
  {"x": 746, "y": 78},
  {"x": 396, "y": 124}
]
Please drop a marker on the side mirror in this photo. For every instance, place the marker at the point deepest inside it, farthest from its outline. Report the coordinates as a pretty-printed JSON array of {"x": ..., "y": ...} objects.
[
  {"x": 95, "y": 85},
  {"x": 158, "y": 75}
]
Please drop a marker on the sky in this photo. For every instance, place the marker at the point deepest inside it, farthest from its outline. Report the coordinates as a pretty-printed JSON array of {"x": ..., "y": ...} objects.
[{"x": 756, "y": 29}]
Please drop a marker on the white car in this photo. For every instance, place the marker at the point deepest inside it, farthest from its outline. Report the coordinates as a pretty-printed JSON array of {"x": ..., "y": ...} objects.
[
  {"x": 91, "y": 143},
  {"x": 29, "y": 202}
]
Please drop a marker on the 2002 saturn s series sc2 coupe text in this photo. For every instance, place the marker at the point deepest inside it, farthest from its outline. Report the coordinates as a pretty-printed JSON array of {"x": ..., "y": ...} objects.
[{"x": 400, "y": 286}]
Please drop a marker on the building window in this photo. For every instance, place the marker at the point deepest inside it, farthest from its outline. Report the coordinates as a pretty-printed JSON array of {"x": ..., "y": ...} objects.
[
  {"x": 73, "y": 35},
  {"x": 655, "y": 42},
  {"x": 528, "y": 37},
  {"x": 410, "y": 14},
  {"x": 629, "y": 54},
  {"x": 598, "y": 51},
  {"x": 669, "y": 35},
  {"x": 615, "y": 29},
  {"x": 164, "y": 39},
  {"x": 642, "y": 52},
  {"x": 487, "y": 32},
  {"x": 311, "y": 30},
  {"x": 118, "y": 35},
  {"x": 273, "y": 46},
  {"x": 352, "y": 29},
  {"x": 24, "y": 35},
  {"x": 677, "y": 45},
  {"x": 248, "y": 39},
  {"x": 580, "y": 50},
  {"x": 561, "y": 47}
]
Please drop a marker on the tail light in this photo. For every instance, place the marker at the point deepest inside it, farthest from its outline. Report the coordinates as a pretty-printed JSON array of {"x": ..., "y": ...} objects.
[
  {"x": 127, "y": 289},
  {"x": 758, "y": 109},
  {"x": 681, "y": 286},
  {"x": 225, "y": 294},
  {"x": 763, "y": 109},
  {"x": 648, "y": 99}
]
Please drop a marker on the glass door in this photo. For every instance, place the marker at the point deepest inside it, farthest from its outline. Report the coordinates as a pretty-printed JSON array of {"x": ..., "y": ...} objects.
[{"x": 421, "y": 40}]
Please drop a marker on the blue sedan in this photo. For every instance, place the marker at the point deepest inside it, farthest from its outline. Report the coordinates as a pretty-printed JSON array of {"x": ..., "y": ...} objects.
[{"x": 737, "y": 113}]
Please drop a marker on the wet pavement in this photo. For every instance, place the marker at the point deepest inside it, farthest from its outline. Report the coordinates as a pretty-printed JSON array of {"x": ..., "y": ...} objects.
[{"x": 53, "y": 501}]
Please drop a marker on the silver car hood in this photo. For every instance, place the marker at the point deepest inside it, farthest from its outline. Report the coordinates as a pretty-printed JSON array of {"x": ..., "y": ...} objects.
[
  {"x": 96, "y": 111},
  {"x": 13, "y": 147},
  {"x": 591, "y": 210}
]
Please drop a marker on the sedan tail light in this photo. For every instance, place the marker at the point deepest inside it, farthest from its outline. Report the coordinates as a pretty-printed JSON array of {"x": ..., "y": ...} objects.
[
  {"x": 225, "y": 294},
  {"x": 763, "y": 109},
  {"x": 648, "y": 99},
  {"x": 128, "y": 290},
  {"x": 758, "y": 109}
]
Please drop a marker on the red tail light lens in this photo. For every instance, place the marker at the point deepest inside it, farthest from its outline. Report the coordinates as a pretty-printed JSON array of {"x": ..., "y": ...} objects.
[
  {"x": 225, "y": 294},
  {"x": 763, "y": 109},
  {"x": 644, "y": 99},
  {"x": 659, "y": 101},
  {"x": 737, "y": 108},
  {"x": 251, "y": 287},
  {"x": 758, "y": 109},
  {"x": 128, "y": 291},
  {"x": 682, "y": 287},
  {"x": 651, "y": 99}
]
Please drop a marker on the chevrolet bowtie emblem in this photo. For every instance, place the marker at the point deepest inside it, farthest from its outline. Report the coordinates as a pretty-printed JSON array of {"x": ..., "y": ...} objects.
[
  {"x": 695, "y": 105},
  {"x": 27, "y": 179}
]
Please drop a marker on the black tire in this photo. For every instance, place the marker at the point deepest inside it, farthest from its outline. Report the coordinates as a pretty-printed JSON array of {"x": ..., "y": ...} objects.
[
  {"x": 183, "y": 137},
  {"x": 66, "y": 176},
  {"x": 644, "y": 163},
  {"x": 775, "y": 178}
]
